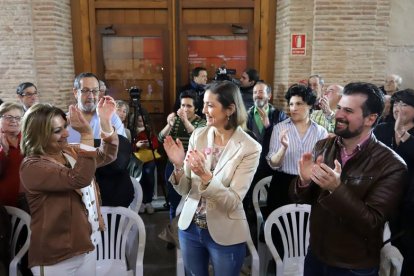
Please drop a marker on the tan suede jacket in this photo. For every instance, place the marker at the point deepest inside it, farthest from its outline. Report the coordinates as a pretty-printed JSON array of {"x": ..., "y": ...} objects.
[{"x": 59, "y": 223}]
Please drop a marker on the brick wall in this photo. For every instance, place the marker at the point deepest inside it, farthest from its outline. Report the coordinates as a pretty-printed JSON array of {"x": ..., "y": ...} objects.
[
  {"x": 347, "y": 40},
  {"x": 36, "y": 46}
]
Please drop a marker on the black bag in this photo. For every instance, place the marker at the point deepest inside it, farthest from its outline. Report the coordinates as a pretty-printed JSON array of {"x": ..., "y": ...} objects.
[{"x": 5, "y": 233}]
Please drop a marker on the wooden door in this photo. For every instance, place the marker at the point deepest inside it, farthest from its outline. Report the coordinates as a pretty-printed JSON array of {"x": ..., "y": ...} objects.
[{"x": 214, "y": 35}]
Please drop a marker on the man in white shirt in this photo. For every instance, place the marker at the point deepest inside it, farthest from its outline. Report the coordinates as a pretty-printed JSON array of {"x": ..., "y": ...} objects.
[
  {"x": 86, "y": 91},
  {"x": 114, "y": 182}
]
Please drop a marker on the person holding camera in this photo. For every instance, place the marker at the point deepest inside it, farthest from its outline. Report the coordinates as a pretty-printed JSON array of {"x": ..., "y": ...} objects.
[
  {"x": 180, "y": 126},
  {"x": 248, "y": 80}
]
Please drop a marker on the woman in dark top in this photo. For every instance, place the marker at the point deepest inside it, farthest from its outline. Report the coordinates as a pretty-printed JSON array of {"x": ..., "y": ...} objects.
[{"x": 398, "y": 135}]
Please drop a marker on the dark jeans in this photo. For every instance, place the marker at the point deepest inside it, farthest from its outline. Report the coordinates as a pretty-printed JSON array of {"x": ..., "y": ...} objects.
[
  {"x": 173, "y": 197},
  {"x": 314, "y": 267},
  {"x": 147, "y": 181}
]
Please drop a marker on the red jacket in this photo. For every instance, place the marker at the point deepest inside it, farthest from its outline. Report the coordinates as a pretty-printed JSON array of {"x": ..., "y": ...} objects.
[{"x": 9, "y": 175}]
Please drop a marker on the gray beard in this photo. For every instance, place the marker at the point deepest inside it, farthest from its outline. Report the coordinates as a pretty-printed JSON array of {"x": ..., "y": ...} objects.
[
  {"x": 260, "y": 103},
  {"x": 87, "y": 109}
]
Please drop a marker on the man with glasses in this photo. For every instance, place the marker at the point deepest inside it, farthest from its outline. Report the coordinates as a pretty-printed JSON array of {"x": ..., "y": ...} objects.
[
  {"x": 113, "y": 179},
  {"x": 86, "y": 90},
  {"x": 27, "y": 94}
]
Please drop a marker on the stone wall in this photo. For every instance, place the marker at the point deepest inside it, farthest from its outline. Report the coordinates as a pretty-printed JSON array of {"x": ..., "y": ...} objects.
[{"x": 36, "y": 46}]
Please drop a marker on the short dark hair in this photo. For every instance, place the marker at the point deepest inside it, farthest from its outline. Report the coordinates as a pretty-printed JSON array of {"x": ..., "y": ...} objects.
[
  {"x": 253, "y": 74},
  {"x": 23, "y": 86},
  {"x": 196, "y": 71},
  {"x": 228, "y": 93},
  {"x": 302, "y": 91},
  {"x": 375, "y": 98},
  {"x": 192, "y": 95},
  {"x": 78, "y": 78}
]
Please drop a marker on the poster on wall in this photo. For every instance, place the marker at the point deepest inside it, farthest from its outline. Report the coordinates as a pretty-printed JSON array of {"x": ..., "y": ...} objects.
[{"x": 298, "y": 45}]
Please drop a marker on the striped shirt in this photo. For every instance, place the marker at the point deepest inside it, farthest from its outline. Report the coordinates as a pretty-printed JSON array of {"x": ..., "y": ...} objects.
[
  {"x": 179, "y": 131},
  {"x": 297, "y": 146}
]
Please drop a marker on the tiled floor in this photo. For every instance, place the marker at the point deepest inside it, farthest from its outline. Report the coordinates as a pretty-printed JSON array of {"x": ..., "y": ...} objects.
[{"x": 158, "y": 260}]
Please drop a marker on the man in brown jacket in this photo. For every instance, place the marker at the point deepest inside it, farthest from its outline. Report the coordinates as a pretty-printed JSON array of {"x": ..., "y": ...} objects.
[{"x": 354, "y": 184}]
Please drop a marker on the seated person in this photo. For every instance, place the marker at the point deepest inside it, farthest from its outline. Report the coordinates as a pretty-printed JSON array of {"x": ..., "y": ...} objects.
[
  {"x": 143, "y": 146},
  {"x": 180, "y": 126},
  {"x": 10, "y": 155}
]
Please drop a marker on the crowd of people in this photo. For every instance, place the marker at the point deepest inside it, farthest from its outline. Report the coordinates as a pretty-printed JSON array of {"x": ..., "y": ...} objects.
[{"x": 346, "y": 150}]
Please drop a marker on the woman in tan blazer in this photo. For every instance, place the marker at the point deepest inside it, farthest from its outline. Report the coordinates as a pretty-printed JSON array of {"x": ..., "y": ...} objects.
[{"x": 215, "y": 175}]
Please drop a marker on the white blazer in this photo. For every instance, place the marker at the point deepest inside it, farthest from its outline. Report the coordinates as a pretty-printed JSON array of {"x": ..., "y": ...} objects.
[{"x": 231, "y": 180}]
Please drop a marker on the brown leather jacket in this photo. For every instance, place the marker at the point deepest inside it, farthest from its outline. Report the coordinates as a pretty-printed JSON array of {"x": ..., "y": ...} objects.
[
  {"x": 59, "y": 224},
  {"x": 346, "y": 226}
]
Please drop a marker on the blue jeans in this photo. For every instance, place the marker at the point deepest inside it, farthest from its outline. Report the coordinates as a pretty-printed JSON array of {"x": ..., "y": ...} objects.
[
  {"x": 147, "y": 181},
  {"x": 174, "y": 198},
  {"x": 314, "y": 267},
  {"x": 198, "y": 248}
]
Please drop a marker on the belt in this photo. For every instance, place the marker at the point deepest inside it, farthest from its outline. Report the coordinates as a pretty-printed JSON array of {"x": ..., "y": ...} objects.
[{"x": 202, "y": 223}]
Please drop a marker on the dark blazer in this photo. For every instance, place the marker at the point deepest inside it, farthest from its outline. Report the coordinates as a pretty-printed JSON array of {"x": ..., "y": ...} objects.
[
  {"x": 114, "y": 180},
  {"x": 275, "y": 116}
]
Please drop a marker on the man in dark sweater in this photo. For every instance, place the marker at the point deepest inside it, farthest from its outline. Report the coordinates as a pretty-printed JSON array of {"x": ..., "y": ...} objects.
[
  {"x": 197, "y": 86},
  {"x": 247, "y": 81}
]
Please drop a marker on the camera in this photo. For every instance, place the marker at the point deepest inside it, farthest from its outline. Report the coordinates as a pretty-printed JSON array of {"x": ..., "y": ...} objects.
[
  {"x": 135, "y": 93},
  {"x": 224, "y": 74}
]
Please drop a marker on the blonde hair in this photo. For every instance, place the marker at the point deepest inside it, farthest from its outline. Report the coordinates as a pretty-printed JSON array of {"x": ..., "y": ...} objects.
[{"x": 37, "y": 128}]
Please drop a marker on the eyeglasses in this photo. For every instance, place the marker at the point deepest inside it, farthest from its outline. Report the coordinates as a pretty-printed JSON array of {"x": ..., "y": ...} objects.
[
  {"x": 85, "y": 91},
  {"x": 11, "y": 118},
  {"x": 29, "y": 95}
]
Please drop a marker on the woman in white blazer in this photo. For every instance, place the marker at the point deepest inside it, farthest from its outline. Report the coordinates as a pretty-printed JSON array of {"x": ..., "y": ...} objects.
[{"x": 215, "y": 175}]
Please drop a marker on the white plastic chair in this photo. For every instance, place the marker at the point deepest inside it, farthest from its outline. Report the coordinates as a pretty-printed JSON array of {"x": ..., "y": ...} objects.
[
  {"x": 19, "y": 220},
  {"x": 292, "y": 222},
  {"x": 121, "y": 226},
  {"x": 391, "y": 258},
  {"x": 136, "y": 203},
  {"x": 259, "y": 198}
]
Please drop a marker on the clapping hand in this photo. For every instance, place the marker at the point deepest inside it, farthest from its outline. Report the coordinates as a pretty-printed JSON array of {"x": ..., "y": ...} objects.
[
  {"x": 324, "y": 104},
  {"x": 319, "y": 172},
  {"x": 182, "y": 114},
  {"x": 4, "y": 142},
  {"x": 106, "y": 108},
  {"x": 264, "y": 117},
  {"x": 174, "y": 150},
  {"x": 196, "y": 161},
  {"x": 171, "y": 119},
  {"x": 284, "y": 138},
  {"x": 78, "y": 121}
]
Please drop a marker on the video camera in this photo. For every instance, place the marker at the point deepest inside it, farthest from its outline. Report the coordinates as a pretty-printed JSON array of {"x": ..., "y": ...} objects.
[
  {"x": 135, "y": 93},
  {"x": 224, "y": 74}
]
